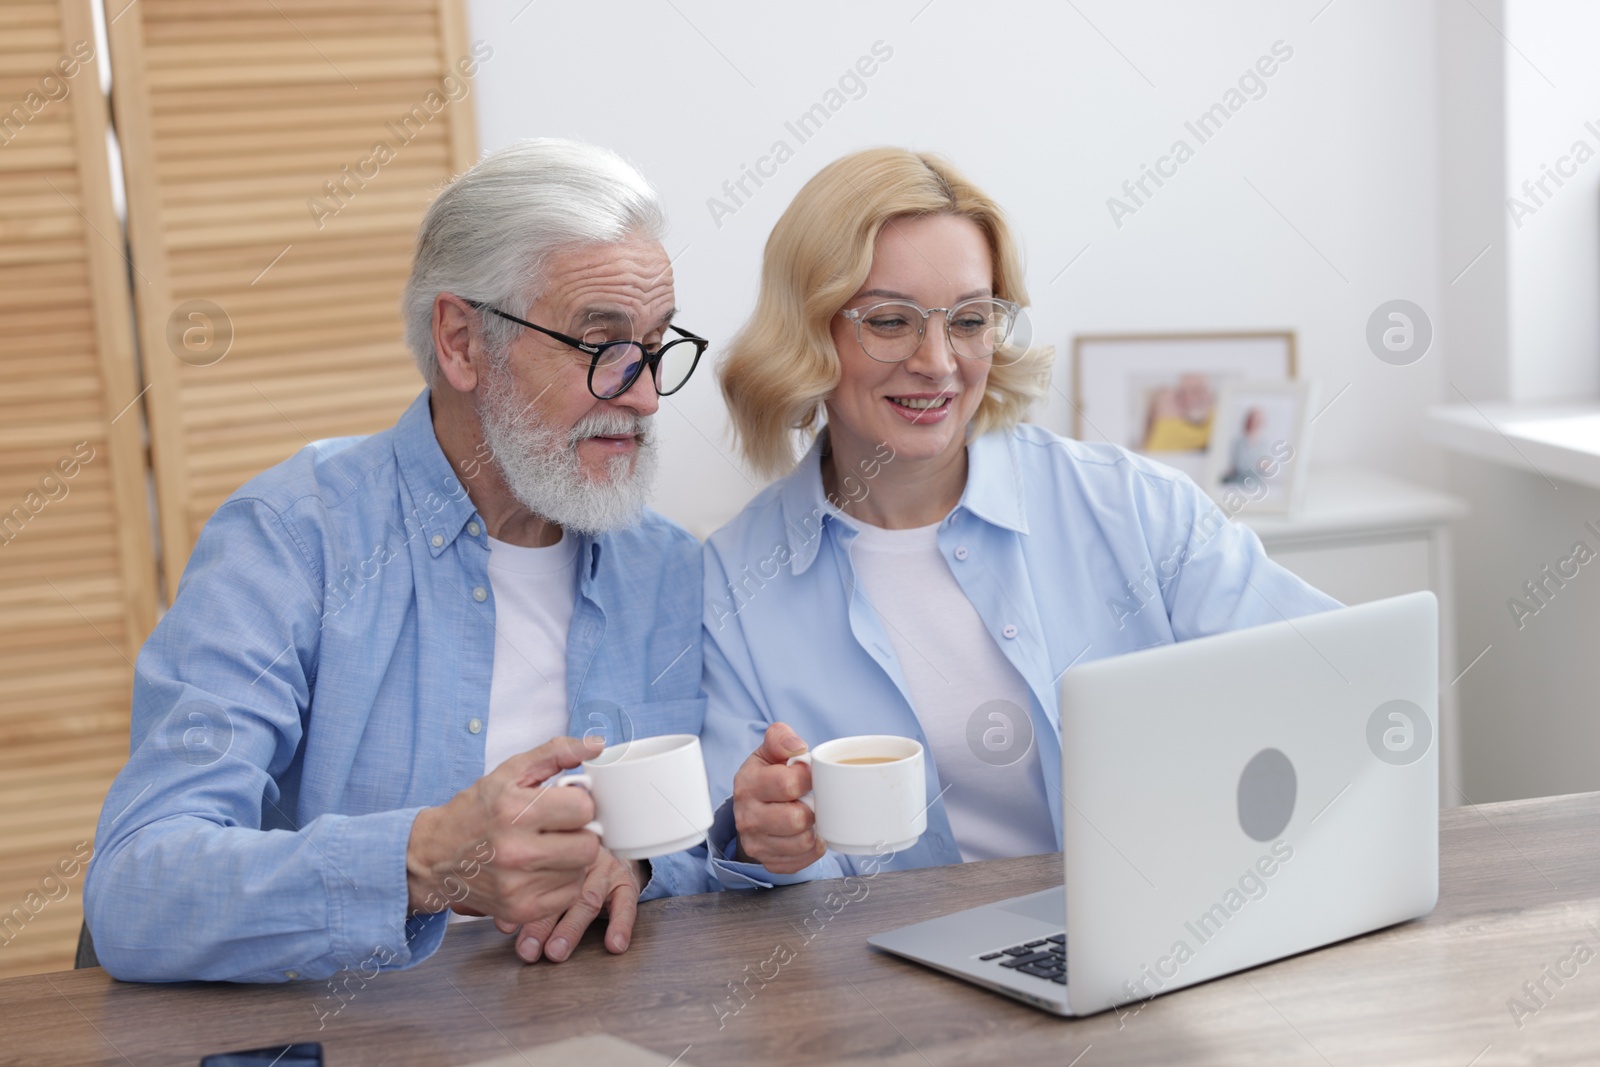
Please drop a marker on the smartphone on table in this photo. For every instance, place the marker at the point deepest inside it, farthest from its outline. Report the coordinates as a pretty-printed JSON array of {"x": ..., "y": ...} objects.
[{"x": 305, "y": 1054}]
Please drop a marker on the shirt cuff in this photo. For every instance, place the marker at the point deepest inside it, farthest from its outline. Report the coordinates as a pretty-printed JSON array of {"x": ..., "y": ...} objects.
[
  {"x": 369, "y": 902},
  {"x": 722, "y": 845},
  {"x": 677, "y": 875}
]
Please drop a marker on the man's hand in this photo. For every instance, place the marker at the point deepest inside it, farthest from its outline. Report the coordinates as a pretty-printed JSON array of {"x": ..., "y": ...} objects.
[
  {"x": 775, "y": 829},
  {"x": 504, "y": 846},
  {"x": 609, "y": 883}
]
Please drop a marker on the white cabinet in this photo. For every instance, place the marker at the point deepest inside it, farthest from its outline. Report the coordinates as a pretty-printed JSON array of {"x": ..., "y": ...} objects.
[{"x": 1364, "y": 536}]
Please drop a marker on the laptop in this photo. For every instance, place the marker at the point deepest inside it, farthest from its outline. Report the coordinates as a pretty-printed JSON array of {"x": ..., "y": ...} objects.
[{"x": 1226, "y": 802}]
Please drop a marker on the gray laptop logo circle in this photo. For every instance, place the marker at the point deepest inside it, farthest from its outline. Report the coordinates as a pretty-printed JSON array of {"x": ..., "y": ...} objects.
[
  {"x": 1266, "y": 795},
  {"x": 1398, "y": 732}
]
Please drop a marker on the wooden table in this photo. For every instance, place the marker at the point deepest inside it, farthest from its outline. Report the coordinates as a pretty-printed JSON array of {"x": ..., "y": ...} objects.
[{"x": 1519, "y": 888}]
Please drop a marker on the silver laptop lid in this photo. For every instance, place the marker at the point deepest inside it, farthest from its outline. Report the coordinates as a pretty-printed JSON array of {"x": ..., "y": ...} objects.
[{"x": 1235, "y": 799}]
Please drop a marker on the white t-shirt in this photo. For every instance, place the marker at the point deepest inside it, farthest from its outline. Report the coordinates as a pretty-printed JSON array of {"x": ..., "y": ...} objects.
[
  {"x": 534, "y": 593},
  {"x": 997, "y": 806}
]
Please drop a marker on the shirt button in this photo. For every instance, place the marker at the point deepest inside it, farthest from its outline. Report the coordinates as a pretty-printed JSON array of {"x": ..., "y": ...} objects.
[
  {"x": 961, "y": 552},
  {"x": 438, "y": 540},
  {"x": 480, "y": 595},
  {"x": 475, "y": 726},
  {"x": 474, "y": 529},
  {"x": 291, "y": 975},
  {"x": 1009, "y": 632}
]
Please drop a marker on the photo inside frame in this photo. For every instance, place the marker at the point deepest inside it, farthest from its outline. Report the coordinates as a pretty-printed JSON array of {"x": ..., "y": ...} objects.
[
  {"x": 1258, "y": 447},
  {"x": 1158, "y": 394},
  {"x": 1173, "y": 412},
  {"x": 1137, "y": 391}
]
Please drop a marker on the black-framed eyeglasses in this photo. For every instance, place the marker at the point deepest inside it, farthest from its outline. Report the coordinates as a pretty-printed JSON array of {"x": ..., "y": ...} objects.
[
  {"x": 615, "y": 365},
  {"x": 891, "y": 331}
]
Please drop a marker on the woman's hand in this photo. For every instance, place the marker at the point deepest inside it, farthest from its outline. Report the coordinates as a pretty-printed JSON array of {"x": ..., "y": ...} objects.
[{"x": 775, "y": 829}]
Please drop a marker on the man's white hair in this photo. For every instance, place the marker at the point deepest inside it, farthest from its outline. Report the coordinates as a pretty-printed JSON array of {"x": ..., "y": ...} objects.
[{"x": 490, "y": 232}]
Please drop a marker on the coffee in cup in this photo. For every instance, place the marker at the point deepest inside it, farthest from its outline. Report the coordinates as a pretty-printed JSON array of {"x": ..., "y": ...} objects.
[{"x": 870, "y": 793}]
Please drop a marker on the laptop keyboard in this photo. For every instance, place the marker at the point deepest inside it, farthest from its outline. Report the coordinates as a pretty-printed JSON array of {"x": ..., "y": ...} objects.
[{"x": 1045, "y": 958}]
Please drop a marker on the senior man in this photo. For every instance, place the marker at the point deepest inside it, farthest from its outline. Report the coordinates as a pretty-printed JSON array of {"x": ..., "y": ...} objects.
[{"x": 341, "y": 726}]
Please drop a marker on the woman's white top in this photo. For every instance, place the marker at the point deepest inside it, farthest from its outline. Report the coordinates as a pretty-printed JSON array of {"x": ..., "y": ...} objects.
[{"x": 972, "y": 703}]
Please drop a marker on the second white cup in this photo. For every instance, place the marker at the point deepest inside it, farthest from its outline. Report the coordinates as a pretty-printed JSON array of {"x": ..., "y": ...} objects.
[{"x": 870, "y": 793}]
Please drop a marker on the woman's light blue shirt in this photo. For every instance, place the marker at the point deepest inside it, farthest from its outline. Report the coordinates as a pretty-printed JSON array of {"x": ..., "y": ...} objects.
[{"x": 1069, "y": 551}]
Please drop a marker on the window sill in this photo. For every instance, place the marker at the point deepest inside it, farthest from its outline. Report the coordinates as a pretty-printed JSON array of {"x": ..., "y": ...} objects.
[{"x": 1550, "y": 440}]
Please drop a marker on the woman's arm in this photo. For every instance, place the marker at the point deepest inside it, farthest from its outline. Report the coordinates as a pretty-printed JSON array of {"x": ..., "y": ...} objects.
[{"x": 736, "y": 727}]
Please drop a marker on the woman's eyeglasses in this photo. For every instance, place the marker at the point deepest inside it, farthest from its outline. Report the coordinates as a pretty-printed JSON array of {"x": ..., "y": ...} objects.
[{"x": 892, "y": 331}]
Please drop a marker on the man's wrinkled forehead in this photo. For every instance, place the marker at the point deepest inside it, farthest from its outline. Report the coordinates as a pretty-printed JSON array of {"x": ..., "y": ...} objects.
[{"x": 624, "y": 285}]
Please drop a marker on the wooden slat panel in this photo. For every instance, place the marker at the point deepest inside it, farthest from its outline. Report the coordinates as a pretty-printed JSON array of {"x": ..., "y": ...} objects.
[
  {"x": 100, "y": 751},
  {"x": 29, "y": 16},
  {"x": 77, "y": 574},
  {"x": 73, "y": 727},
  {"x": 315, "y": 26},
  {"x": 236, "y": 117},
  {"x": 224, "y": 17}
]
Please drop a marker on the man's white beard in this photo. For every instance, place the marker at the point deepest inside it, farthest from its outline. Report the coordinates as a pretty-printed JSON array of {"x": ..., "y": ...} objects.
[{"x": 544, "y": 473}]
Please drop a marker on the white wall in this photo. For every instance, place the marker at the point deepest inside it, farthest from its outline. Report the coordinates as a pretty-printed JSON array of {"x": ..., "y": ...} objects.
[
  {"x": 1529, "y": 707},
  {"x": 1473, "y": 336},
  {"x": 1050, "y": 111},
  {"x": 1521, "y": 325},
  {"x": 1375, "y": 167},
  {"x": 1553, "y": 124}
]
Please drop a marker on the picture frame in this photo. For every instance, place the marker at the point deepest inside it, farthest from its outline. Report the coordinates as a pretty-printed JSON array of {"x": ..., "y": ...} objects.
[
  {"x": 1260, "y": 446},
  {"x": 1156, "y": 393}
]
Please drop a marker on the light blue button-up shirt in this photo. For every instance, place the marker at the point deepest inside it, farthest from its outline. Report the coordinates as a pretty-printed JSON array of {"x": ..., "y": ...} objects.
[
  {"x": 1069, "y": 552},
  {"x": 322, "y": 676}
]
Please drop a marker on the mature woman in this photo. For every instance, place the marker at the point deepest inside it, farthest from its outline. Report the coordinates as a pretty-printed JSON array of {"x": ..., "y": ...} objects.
[{"x": 932, "y": 566}]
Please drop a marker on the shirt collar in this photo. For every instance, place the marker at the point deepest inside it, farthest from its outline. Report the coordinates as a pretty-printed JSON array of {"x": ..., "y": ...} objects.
[
  {"x": 994, "y": 490},
  {"x": 805, "y": 508},
  {"x": 440, "y": 504},
  {"x": 993, "y": 493}
]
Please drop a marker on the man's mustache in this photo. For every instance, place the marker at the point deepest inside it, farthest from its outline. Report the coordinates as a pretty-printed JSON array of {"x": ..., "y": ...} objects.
[{"x": 610, "y": 424}]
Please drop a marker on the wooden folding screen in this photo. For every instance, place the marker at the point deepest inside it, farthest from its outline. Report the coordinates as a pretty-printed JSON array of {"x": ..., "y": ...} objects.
[
  {"x": 77, "y": 576},
  {"x": 279, "y": 155}
]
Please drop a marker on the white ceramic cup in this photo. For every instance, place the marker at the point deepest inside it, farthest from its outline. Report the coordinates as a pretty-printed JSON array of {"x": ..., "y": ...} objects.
[
  {"x": 867, "y": 808},
  {"x": 650, "y": 796}
]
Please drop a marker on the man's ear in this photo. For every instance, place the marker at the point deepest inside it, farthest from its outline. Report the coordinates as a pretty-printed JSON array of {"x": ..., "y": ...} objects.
[{"x": 460, "y": 360}]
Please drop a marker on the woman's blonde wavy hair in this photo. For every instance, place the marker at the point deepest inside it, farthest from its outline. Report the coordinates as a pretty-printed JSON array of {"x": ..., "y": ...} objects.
[{"x": 782, "y": 364}]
